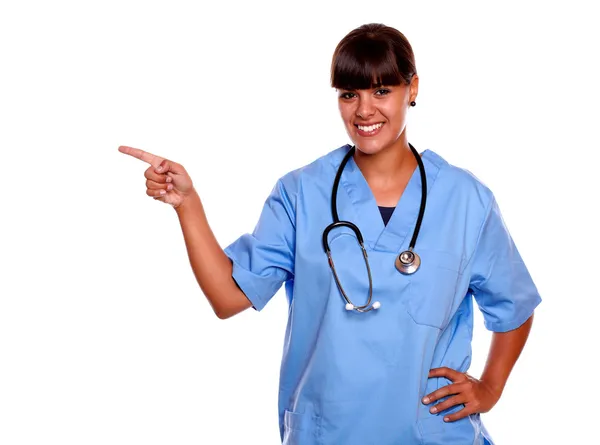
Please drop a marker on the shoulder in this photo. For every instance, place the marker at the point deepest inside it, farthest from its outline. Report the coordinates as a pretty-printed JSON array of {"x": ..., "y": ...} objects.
[
  {"x": 315, "y": 171},
  {"x": 459, "y": 182}
]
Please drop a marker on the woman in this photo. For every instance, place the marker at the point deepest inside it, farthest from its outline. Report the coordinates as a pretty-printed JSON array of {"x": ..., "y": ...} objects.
[{"x": 377, "y": 345}]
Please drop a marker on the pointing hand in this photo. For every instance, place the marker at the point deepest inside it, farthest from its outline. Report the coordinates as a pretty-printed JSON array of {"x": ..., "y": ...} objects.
[{"x": 166, "y": 181}]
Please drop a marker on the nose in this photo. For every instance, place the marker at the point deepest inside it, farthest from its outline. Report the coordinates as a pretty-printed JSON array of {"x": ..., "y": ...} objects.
[{"x": 365, "y": 108}]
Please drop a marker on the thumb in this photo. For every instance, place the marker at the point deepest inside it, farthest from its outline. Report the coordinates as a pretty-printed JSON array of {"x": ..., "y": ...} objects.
[{"x": 169, "y": 166}]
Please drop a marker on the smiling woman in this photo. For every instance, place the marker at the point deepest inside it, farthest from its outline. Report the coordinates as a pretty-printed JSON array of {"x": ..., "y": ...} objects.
[{"x": 351, "y": 373}]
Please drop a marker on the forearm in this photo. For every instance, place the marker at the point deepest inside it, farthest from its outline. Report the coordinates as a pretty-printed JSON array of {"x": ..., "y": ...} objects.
[
  {"x": 504, "y": 351},
  {"x": 211, "y": 267}
]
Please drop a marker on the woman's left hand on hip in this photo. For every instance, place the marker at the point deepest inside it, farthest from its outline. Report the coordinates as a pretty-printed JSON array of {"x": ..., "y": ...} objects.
[{"x": 474, "y": 394}]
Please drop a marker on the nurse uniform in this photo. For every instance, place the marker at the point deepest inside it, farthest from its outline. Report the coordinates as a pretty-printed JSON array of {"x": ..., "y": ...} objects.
[{"x": 350, "y": 378}]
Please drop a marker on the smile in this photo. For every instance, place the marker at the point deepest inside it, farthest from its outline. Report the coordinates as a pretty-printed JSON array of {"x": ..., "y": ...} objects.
[{"x": 369, "y": 130}]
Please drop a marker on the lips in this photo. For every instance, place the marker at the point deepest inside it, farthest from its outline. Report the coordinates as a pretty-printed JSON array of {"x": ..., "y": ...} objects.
[{"x": 369, "y": 130}]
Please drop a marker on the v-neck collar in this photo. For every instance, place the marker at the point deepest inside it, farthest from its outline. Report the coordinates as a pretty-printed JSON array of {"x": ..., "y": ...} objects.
[{"x": 365, "y": 211}]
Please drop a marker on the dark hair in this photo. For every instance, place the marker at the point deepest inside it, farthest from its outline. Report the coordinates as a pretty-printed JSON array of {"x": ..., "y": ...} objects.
[{"x": 370, "y": 56}]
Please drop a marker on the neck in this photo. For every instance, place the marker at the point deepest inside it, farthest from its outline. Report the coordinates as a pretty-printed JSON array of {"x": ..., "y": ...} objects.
[{"x": 387, "y": 167}]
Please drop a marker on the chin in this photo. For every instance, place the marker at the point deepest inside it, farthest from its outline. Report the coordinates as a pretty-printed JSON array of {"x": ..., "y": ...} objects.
[{"x": 369, "y": 147}]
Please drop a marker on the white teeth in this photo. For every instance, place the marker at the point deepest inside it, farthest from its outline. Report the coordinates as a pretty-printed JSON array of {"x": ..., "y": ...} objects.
[{"x": 370, "y": 128}]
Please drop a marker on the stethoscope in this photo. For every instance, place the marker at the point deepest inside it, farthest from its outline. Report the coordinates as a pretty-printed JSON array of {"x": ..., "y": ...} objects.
[{"x": 407, "y": 262}]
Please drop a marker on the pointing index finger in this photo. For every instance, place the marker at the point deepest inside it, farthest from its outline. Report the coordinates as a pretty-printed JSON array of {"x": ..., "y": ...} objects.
[{"x": 141, "y": 154}]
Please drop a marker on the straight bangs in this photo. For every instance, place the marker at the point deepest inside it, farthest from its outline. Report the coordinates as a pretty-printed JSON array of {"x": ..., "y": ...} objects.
[{"x": 365, "y": 63}]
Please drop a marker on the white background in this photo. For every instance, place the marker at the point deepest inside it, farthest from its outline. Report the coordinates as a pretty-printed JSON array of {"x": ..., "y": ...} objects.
[{"x": 105, "y": 336}]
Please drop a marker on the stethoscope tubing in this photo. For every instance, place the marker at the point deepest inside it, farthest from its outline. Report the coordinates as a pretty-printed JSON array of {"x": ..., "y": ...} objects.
[{"x": 402, "y": 266}]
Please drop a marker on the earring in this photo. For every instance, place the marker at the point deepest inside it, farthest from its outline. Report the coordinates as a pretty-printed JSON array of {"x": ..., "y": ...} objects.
[{"x": 413, "y": 103}]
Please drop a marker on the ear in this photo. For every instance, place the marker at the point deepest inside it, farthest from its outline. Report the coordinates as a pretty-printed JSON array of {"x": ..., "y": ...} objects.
[{"x": 414, "y": 87}]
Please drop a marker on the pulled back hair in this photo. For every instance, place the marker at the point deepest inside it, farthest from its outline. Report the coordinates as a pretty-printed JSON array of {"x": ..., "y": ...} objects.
[{"x": 370, "y": 56}]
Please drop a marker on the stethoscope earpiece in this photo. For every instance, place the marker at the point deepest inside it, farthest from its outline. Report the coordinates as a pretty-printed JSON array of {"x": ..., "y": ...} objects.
[{"x": 351, "y": 307}]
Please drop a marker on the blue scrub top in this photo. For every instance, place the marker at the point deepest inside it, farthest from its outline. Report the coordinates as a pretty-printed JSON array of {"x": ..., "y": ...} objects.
[{"x": 358, "y": 378}]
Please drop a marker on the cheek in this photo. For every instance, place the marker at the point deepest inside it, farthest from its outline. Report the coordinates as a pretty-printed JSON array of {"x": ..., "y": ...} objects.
[
  {"x": 346, "y": 112},
  {"x": 395, "y": 117}
]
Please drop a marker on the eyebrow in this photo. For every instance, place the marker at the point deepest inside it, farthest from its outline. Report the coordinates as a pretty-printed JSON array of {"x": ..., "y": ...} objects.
[{"x": 373, "y": 88}]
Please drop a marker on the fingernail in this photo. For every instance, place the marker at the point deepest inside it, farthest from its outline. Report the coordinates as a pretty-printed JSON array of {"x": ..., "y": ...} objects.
[
  {"x": 433, "y": 409},
  {"x": 170, "y": 186},
  {"x": 426, "y": 400},
  {"x": 446, "y": 419},
  {"x": 162, "y": 192},
  {"x": 159, "y": 168},
  {"x": 169, "y": 179}
]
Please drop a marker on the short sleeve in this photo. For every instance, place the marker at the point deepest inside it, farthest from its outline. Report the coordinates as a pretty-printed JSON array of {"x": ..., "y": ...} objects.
[
  {"x": 500, "y": 281},
  {"x": 264, "y": 259}
]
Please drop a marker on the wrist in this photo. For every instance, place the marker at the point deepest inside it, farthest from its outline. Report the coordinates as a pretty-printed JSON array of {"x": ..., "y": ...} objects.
[
  {"x": 187, "y": 201},
  {"x": 493, "y": 386}
]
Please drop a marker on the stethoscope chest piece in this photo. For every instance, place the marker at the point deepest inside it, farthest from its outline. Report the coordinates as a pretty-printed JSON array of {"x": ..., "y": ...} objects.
[{"x": 408, "y": 262}]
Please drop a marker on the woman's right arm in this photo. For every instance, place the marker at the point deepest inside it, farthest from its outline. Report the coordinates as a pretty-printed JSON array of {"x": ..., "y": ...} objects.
[
  {"x": 169, "y": 182},
  {"x": 212, "y": 268}
]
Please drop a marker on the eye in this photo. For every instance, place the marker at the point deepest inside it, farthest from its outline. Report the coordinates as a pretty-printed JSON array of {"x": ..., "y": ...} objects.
[
  {"x": 347, "y": 95},
  {"x": 382, "y": 91}
]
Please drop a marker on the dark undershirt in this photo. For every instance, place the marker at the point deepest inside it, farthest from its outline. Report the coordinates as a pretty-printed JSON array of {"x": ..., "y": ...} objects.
[{"x": 386, "y": 213}]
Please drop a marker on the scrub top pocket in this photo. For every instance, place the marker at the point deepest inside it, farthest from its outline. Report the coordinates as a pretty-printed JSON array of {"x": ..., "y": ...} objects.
[
  {"x": 432, "y": 288},
  {"x": 296, "y": 428}
]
